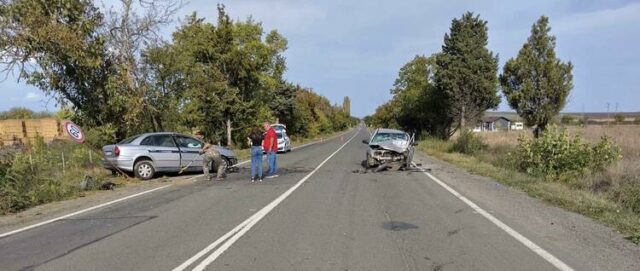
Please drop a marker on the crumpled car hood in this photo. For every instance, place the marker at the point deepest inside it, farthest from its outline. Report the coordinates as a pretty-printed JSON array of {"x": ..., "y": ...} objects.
[{"x": 398, "y": 146}]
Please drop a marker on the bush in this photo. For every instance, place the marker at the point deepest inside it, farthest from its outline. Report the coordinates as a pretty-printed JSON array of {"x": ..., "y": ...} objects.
[
  {"x": 628, "y": 195},
  {"x": 468, "y": 143},
  {"x": 35, "y": 174},
  {"x": 556, "y": 155},
  {"x": 99, "y": 136}
]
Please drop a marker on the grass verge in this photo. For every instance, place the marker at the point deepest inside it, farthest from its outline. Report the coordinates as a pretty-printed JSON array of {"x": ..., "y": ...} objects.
[{"x": 597, "y": 207}]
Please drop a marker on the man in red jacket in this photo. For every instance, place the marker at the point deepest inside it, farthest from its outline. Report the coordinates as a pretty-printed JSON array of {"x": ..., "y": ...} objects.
[{"x": 270, "y": 146}]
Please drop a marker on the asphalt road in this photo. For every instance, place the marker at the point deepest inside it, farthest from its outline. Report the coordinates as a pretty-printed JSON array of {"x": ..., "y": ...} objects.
[{"x": 320, "y": 214}]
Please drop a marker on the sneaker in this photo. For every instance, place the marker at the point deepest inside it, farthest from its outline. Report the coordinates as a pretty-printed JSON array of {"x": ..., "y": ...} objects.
[
  {"x": 260, "y": 179},
  {"x": 272, "y": 176},
  {"x": 219, "y": 179},
  {"x": 253, "y": 180}
]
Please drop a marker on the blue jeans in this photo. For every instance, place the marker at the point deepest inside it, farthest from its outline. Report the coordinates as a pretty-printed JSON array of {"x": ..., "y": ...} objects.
[
  {"x": 273, "y": 164},
  {"x": 256, "y": 162}
]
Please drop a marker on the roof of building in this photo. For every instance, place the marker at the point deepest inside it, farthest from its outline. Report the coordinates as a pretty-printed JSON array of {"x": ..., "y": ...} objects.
[{"x": 493, "y": 118}]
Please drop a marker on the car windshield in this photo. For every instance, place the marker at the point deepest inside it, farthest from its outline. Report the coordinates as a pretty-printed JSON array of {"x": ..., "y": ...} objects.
[
  {"x": 128, "y": 140},
  {"x": 381, "y": 137}
]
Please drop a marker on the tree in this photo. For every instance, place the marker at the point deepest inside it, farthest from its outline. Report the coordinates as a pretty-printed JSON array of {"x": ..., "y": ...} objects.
[
  {"x": 420, "y": 104},
  {"x": 467, "y": 71},
  {"x": 82, "y": 58},
  {"x": 536, "y": 83},
  {"x": 346, "y": 105},
  {"x": 128, "y": 31},
  {"x": 386, "y": 116},
  {"x": 57, "y": 46}
]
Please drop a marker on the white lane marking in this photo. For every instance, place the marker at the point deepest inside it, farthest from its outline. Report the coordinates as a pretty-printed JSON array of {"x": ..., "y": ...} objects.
[
  {"x": 81, "y": 211},
  {"x": 526, "y": 242},
  {"x": 294, "y": 148},
  {"x": 246, "y": 225}
]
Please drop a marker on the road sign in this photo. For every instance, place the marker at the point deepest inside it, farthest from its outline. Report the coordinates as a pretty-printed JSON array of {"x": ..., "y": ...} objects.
[{"x": 73, "y": 131}]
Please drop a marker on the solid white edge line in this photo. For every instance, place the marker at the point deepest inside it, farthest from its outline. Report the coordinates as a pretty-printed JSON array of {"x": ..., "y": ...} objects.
[
  {"x": 246, "y": 225},
  {"x": 560, "y": 265},
  {"x": 81, "y": 211},
  {"x": 525, "y": 241}
]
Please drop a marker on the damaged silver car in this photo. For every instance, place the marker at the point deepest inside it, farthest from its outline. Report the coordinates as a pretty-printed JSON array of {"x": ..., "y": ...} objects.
[{"x": 389, "y": 149}]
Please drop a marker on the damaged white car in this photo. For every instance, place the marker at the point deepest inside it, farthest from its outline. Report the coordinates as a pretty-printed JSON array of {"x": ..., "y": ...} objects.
[{"x": 389, "y": 149}]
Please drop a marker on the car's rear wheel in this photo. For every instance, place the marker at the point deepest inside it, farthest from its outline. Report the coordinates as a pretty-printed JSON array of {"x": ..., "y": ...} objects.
[{"x": 144, "y": 170}]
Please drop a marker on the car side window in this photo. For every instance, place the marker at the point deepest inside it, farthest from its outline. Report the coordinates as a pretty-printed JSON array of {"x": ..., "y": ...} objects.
[
  {"x": 158, "y": 141},
  {"x": 188, "y": 142},
  {"x": 148, "y": 141}
]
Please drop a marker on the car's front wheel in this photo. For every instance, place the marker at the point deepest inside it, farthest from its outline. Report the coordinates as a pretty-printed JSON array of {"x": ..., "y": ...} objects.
[{"x": 144, "y": 170}]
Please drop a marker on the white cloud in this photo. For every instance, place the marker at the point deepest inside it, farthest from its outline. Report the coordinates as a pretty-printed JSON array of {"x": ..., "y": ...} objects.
[
  {"x": 600, "y": 19},
  {"x": 32, "y": 97}
]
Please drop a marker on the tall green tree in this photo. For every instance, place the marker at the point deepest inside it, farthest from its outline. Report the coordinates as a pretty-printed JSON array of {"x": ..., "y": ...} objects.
[
  {"x": 346, "y": 105},
  {"x": 536, "y": 83},
  {"x": 467, "y": 71},
  {"x": 57, "y": 46},
  {"x": 420, "y": 104},
  {"x": 82, "y": 57}
]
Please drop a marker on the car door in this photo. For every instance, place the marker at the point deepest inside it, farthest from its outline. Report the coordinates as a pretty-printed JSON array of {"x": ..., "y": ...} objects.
[
  {"x": 163, "y": 150},
  {"x": 190, "y": 149}
]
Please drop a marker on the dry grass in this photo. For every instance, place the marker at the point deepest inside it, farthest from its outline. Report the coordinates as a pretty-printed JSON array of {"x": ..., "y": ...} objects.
[{"x": 625, "y": 136}]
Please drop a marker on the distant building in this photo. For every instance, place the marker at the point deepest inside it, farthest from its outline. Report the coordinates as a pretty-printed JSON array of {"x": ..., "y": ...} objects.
[{"x": 495, "y": 123}]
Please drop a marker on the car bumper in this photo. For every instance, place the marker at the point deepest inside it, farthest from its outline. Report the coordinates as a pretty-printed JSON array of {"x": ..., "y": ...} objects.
[{"x": 122, "y": 163}]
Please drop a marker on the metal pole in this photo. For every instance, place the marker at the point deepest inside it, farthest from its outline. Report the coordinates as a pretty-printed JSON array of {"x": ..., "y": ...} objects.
[
  {"x": 608, "y": 115},
  {"x": 90, "y": 157},
  {"x": 63, "y": 164}
]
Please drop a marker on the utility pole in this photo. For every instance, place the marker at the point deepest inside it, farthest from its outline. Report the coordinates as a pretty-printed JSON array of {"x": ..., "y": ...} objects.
[
  {"x": 608, "y": 115},
  {"x": 584, "y": 118}
]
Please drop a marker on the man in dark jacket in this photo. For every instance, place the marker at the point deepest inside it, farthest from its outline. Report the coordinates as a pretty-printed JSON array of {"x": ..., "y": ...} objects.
[{"x": 270, "y": 146}]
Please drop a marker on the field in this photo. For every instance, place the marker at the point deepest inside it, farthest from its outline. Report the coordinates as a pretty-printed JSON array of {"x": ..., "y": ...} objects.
[{"x": 625, "y": 136}]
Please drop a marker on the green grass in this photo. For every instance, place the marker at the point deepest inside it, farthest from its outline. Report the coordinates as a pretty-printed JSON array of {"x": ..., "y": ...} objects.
[{"x": 587, "y": 203}]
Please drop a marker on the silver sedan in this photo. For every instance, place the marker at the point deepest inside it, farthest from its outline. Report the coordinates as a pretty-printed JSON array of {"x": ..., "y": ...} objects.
[{"x": 147, "y": 154}]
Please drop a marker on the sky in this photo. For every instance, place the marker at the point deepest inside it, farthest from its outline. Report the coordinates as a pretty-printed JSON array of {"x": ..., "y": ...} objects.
[{"x": 356, "y": 48}]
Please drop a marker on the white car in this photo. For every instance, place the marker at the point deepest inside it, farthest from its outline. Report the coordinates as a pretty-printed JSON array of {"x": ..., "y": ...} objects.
[{"x": 284, "y": 143}]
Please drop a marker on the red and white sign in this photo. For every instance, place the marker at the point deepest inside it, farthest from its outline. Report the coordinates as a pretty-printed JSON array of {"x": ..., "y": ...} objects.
[{"x": 73, "y": 131}]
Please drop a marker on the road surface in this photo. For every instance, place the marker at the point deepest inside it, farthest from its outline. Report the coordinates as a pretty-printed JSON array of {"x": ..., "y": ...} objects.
[{"x": 323, "y": 213}]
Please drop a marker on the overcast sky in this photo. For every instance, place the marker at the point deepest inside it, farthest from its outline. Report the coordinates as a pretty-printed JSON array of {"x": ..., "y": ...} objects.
[{"x": 355, "y": 48}]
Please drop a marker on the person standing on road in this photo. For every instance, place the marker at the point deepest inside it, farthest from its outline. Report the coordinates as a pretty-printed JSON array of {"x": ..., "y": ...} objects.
[
  {"x": 256, "y": 137},
  {"x": 211, "y": 157},
  {"x": 270, "y": 145}
]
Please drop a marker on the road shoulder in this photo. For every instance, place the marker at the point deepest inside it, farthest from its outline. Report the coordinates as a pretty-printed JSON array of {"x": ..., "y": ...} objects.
[
  {"x": 52, "y": 210},
  {"x": 581, "y": 242}
]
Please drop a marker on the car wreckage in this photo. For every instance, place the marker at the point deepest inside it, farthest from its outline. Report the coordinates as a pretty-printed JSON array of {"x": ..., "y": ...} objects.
[{"x": 389, "y": 149}]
